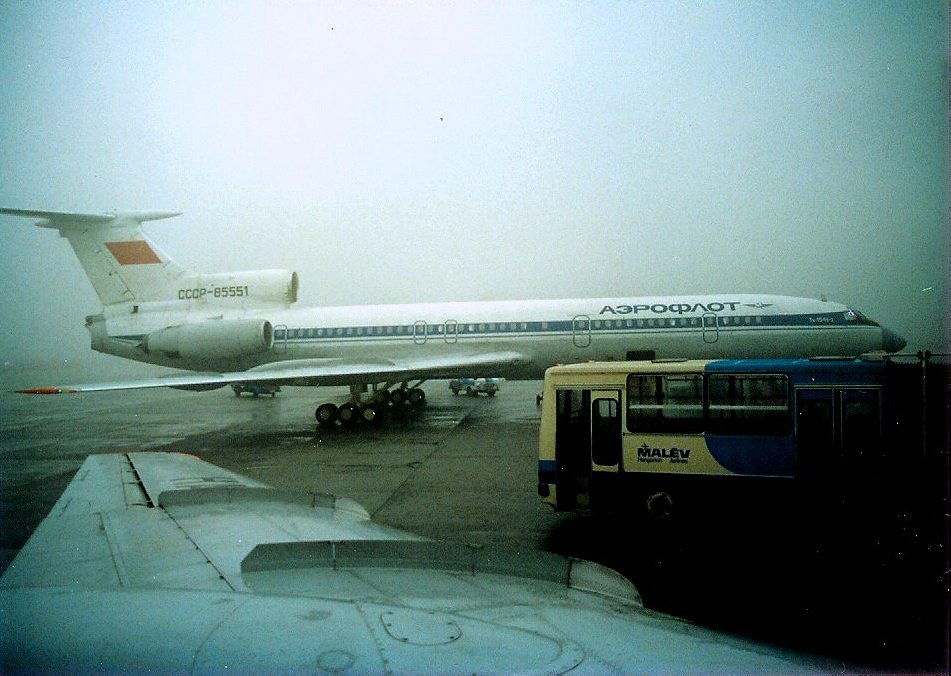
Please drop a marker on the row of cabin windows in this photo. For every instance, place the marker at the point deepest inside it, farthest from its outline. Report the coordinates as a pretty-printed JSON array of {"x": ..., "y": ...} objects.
[
  {"x": 451, "y": 328},
  {"x": 735, "y": 404},
  {"x": 403, "y": 330},
  {"x": 709, "y": 321}
]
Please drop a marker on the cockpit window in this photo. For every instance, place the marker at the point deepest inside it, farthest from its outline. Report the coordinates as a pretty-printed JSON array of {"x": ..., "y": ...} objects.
[{"x": 852, "y": 315}]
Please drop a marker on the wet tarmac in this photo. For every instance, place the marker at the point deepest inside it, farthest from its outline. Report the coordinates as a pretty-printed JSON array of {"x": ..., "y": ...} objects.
[{"x": 462, "y": 469}]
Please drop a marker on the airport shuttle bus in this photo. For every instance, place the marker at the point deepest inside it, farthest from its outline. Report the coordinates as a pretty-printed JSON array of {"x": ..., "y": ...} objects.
[{"x": 668, "y": 438}]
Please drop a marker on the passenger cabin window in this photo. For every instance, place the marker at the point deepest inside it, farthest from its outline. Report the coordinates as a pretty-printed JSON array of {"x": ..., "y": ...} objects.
[
  {"x": 665, "y": 403},
  {"x": 755, "y": 404}
]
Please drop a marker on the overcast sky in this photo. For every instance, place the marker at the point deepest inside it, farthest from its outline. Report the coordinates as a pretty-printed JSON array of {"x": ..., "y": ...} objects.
[{"x": 396, "y": 152}]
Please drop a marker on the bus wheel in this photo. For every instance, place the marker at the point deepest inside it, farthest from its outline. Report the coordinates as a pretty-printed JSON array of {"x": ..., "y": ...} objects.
[{"x": 660, "y": 506}]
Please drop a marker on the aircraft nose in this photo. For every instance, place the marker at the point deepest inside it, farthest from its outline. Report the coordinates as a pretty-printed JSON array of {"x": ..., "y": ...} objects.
[{"x": 891, "y": 341}]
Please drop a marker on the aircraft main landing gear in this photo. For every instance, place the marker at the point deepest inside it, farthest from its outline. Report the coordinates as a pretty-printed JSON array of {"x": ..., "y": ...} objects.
[{"x": 371, "y": 406}]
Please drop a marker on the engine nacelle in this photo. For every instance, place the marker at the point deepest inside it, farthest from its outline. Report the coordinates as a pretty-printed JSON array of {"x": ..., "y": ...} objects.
[
  {"x": 234, "y": 288},
  {"x": 212, "y": 339}
]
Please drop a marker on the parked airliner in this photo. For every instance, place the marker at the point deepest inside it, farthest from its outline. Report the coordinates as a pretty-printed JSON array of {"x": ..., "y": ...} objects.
[{"x": 240, "y": 327}]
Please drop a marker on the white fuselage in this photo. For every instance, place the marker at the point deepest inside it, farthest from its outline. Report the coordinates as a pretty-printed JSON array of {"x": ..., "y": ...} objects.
[{"x": 545, "y": 332}]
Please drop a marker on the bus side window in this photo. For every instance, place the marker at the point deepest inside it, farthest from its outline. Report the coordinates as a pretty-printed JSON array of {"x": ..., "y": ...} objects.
[
  {"x": 605, "y": 433},
  {"x": 668, "y": 403},
  {"x": 748, "y": 404}
]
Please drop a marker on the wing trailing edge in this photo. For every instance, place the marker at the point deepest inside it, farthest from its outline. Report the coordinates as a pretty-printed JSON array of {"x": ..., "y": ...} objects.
[{"x": 309, "y": 372}]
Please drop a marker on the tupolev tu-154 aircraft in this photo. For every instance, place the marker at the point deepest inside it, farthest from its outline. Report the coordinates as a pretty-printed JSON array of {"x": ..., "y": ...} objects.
[
  {"x": 163, "y": 562},
  {"x": 239, "y": 328}
]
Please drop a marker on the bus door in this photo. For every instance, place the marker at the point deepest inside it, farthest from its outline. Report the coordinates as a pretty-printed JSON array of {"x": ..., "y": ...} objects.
[
  {"x": 605, "y": 446},
  {"x": 606, "y": 430},
  {"x": 572, "y": 447},
  {"x": 815, "y": 431}
]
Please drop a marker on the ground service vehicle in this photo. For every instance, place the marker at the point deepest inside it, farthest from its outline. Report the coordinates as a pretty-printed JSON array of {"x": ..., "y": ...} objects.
[
  {"x": 255, "y": 389},
  {"x": 474, "y": 386},
  {"x": 668, "y": 437}
]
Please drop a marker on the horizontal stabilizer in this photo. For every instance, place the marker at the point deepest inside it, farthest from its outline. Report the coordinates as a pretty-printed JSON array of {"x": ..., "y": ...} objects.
[
  {"x": 58, "y": 219},
  {"x": 121, "y": 262}
]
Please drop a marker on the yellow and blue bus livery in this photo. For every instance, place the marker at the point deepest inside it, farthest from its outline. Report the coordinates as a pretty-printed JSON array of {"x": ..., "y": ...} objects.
[{"x": 661, "y": 436}]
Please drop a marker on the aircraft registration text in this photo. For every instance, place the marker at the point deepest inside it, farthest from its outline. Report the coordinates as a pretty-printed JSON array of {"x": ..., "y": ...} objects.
[{"x": 214, "y": 292}]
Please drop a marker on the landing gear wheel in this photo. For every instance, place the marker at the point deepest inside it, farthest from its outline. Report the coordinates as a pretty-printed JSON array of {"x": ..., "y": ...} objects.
[
  {"x": 349, "y": 413},
  {"x": 398, "y": 397},
  {"x": 369, "y": 414},
  {"x": 326, "y": 414},
  {"x": 416, "y": 397}
]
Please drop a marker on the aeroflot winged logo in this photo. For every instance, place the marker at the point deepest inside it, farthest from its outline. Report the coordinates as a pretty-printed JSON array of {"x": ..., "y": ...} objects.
[{"x": 133, "y": 253}]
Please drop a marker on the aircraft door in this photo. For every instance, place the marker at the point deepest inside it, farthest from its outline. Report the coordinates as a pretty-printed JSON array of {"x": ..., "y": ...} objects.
[
  {"x": 419, "y": 332},
  {"x": 581, "y": 330},
  {"x": 451, "y": 331},
  {"x": 280, "y": 339},
  {"x": 711, "y": 332},
  {"x": 572, "y": 447}
]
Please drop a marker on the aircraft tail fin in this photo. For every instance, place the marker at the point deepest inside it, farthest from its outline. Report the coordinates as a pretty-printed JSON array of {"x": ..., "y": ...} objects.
[{"x": 122, "y": 263}]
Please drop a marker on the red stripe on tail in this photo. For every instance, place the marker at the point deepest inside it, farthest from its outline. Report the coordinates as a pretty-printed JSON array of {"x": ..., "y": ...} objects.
[{"x": 133, "y": 253}]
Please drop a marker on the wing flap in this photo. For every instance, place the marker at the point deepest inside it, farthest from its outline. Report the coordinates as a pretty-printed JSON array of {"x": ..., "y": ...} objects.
[
  {"x": 103, "y": 533},
  {"x": 159, "y": 472},
  {"x": 172, "y": 521},
  {"x": 104, "y": 483}
]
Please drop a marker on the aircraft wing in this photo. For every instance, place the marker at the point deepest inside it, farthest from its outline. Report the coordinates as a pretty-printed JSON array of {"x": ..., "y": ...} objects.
[
  {"x": 156, "y": 561},
  {"x": 311, "y": 372},
  {"x": 161, "y": 520}
]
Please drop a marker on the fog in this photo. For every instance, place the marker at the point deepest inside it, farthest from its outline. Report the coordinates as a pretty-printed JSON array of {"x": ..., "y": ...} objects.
[{"x": 484, "y": 150}]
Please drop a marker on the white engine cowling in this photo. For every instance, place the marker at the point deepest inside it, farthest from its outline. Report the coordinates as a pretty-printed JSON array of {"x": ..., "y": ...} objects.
[{"x": 212, "y": 339}]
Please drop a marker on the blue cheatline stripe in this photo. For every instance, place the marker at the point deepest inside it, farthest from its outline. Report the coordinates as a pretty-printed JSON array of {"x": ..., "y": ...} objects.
[{"x": 535, "y": 328}]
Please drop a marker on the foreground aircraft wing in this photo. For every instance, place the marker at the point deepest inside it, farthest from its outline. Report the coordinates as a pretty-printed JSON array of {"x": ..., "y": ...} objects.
[
  {"x": 311, "y": 372},
  {"x": 155, "y": 561}
]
